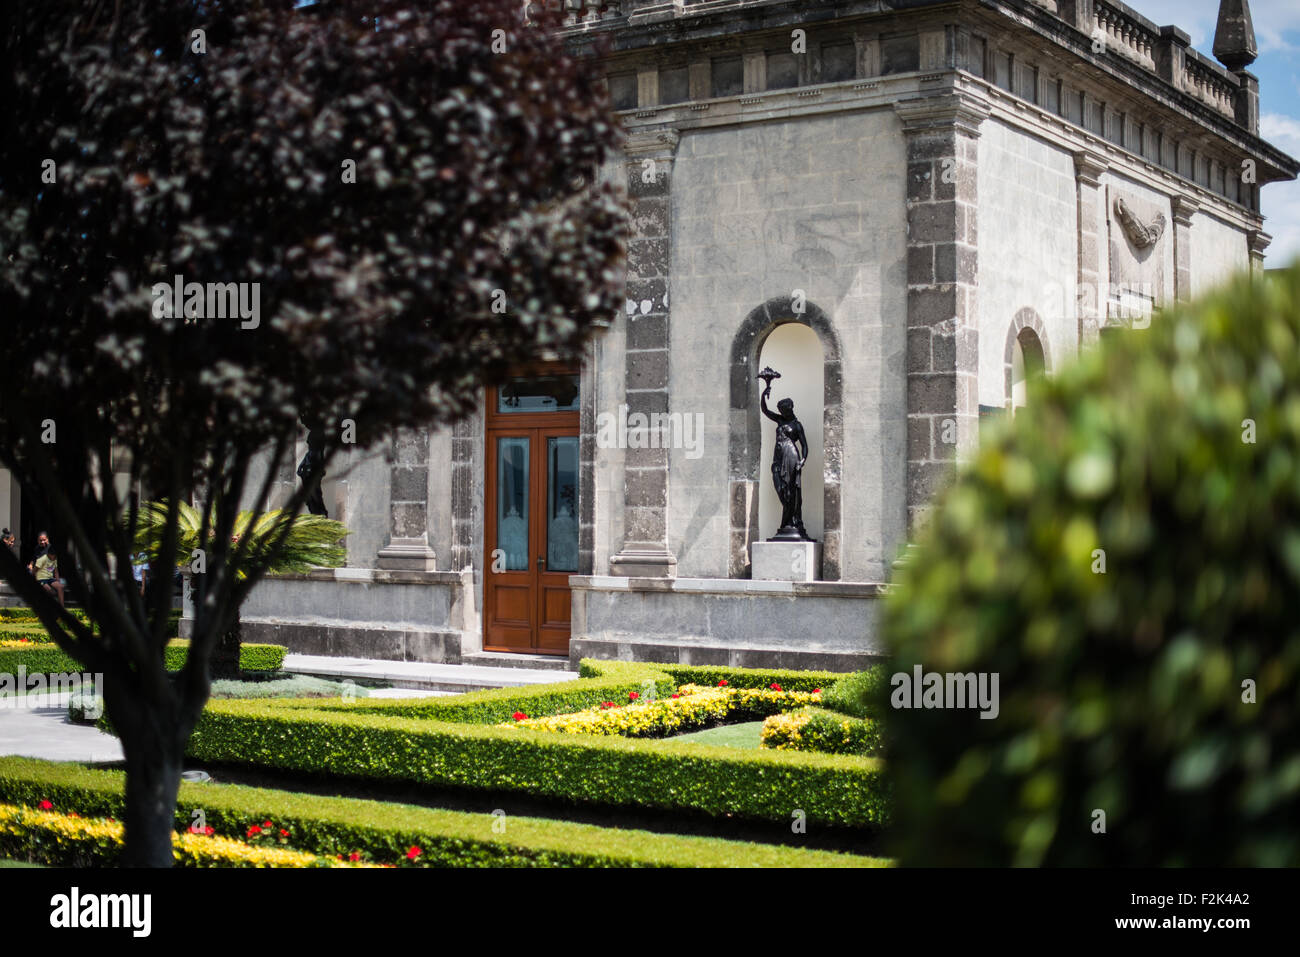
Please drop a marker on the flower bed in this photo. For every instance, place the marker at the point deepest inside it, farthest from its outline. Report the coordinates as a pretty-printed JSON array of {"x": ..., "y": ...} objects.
[
  {"x": 47, "y": 836},
  {"x": 689, "y": 708},
  {"x": 816, "y": 729},
  {"x": 394, "y": 741},
  {"x": 381, "y": 831}
]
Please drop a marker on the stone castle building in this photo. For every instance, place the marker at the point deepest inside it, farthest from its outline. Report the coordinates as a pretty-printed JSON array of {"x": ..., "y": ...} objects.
[{"x": 906, "y": 208}]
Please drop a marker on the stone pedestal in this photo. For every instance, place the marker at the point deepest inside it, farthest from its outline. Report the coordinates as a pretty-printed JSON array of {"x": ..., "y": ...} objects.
[{"x": 786, "y": 561}]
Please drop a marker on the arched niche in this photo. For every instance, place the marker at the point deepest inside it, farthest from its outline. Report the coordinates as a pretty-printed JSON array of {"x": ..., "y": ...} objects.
[
  {"x": 1025, "y": 356},
  {"x": 794, "y": 350},
  {"x": 745, "y": 463}
]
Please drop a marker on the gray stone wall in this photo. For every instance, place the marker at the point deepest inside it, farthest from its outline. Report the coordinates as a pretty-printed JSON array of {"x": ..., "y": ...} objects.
[
  {"x": 813, "y": 204},
  {"x": 1218, "y": 251},
  {"x": 1028, "y": 248}
]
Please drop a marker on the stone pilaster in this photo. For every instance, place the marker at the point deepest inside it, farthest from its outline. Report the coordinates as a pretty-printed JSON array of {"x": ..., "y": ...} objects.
[
  {"x": 1183, "y": 210},
  {"x": 649, "y": 165},
  {"x": 942, "y": 322},
  {"x": 1259, "y": 242},
  {"x": 1090, "y": 303},
  {"x": 408, "y": 546}
]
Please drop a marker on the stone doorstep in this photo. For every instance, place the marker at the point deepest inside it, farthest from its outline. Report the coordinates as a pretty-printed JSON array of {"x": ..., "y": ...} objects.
[{"x": 503, "y": 659}]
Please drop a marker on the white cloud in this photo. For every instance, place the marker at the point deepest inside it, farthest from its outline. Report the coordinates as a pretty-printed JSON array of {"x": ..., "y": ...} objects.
[{"x": 1282, "y": 200}]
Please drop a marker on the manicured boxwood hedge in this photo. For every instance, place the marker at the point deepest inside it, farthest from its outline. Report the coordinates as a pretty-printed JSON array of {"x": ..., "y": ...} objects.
[
  {"x": 500, "y": 704},
  {"x": 858, "y": 694},
  {"x": 24, "y": 616},
  {"x": 817, "y": 729},
  {"x": 712, "y": 674},
  {"x": 331, "y": 826},
  {"x": 49, "y": 659},
  {"x": 372, "y": 742},
  {"x": 60, "y": 840},
  {"x": 19, "y": 630}
]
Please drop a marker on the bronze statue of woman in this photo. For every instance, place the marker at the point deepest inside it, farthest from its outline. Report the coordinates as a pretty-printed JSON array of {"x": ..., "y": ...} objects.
[{"x": 788, "y": 458}]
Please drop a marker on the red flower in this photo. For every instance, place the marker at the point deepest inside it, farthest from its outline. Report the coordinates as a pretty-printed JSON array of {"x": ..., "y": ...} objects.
[
  {"x": 607, "y": 704},
  {"x": 413, "y": 853},
  {"x": 283, "y": 832},
  {"x": 266, "y": 824},
  {"x": 254, "y": 831},
  {"x": 208, "y": 831},
  {"x": 112, "y": 820},
  {"x": 520, "y": 716},
  {"x": 46, "y": 806},
  {"x": 354, "y": 856},
  {"x": 73, "y": 814},
  {"x": 632, "y": 696},
  {"x": 722, "y": 682},
  {"x": 817, "y": 690},
  {"x": 676, "y": 695},
  {"x": 340, "y": 857},
  {"x": 774, "y": 686}
]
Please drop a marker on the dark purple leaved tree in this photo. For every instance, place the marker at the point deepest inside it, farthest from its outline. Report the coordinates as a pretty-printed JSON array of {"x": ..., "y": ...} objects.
[{"x": 414, "y": 189}]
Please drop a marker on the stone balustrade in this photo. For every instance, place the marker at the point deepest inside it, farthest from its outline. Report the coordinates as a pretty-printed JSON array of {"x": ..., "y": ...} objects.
[
  {"x": 1203, "y": 80},
  {"x": 1125, "y": 35}
]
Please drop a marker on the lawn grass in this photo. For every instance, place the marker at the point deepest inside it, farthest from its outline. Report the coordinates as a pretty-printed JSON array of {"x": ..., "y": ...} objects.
[{"x": 743, "y": 735}]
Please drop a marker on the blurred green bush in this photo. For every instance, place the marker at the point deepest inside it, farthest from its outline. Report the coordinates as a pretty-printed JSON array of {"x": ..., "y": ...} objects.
[{"x": 1125, "y": 555}]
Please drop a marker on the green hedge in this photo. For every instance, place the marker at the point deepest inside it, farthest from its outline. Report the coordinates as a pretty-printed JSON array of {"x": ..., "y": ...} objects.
[
  {"x": 858, "y": 694},
  {"x": 712, "y": 674},
  {"x": 1124, "y": 556},
  {"x": 49, "y": 659},
  {"x": 18, "y": 630},
  {"x": 364, "y": 742},
  {"x": 23, "y": 619},
  {"x": 496, "y": 705},
  {"x": 331, "y": 826},
  {"x": 823, "y": 731}
]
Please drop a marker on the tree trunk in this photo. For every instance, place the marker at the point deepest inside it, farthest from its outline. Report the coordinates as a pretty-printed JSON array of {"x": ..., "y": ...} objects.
[
  {"x": 225, "y": 653},
  {"x": 154, "y": 761}
]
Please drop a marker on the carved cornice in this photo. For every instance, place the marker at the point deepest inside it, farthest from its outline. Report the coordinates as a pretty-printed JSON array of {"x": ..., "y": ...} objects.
[
  {"x": 1089, "y": 168},
  {"x": 1183, "y": 210},
  {"x": 962, "y": 111},
  {"x": 656, "y": 143},
  {"x": 1259, "y": 241}
]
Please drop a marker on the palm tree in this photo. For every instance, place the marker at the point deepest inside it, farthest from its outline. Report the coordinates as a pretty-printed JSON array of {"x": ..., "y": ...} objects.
[{"x": 312, "y": 541}]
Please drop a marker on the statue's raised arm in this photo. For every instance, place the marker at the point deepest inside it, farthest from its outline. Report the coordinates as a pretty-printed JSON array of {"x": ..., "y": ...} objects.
[{"x": 762, "y": 404}]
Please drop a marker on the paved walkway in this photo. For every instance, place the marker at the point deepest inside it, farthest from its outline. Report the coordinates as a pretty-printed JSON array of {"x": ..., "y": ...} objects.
[
  {"x": 40, "y": 729},
  {"x": 420, "y": 674},
  {"x": 38, "y": 726}
]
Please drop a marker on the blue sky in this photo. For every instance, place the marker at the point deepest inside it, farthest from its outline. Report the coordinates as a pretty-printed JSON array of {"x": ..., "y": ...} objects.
[{"x": 1277, "y": 27}]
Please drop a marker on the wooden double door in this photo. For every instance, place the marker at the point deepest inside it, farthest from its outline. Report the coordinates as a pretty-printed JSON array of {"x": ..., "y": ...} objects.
[{"x": 531, "y": 512}]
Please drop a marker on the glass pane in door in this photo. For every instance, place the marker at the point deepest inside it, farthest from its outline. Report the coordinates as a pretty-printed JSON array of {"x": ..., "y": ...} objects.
[
  {"x": 562, "y": 503},
  {"x": 512, "y": 501},
  {"x": 539, "y": 393}
]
